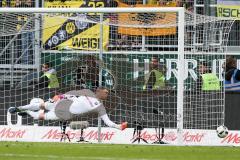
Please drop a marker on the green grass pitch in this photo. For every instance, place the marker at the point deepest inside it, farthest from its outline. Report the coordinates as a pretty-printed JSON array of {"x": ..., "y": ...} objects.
[{"x": 80, "y": 151}]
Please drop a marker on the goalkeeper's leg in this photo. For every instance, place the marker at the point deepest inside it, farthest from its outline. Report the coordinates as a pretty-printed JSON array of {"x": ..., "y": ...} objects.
[
  {"x": 41, "y": 115},
  {"x": 33, "y": 107},
  {"x": 35, "y": 104}
]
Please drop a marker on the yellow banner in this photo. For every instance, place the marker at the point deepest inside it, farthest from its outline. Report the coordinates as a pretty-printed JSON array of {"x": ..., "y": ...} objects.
[
  {"x": 228, "y": 11},
  {"x": 147, "y": 18},
  {"x": 73, "y": 31},
  {"x": 88, "y": 39}
]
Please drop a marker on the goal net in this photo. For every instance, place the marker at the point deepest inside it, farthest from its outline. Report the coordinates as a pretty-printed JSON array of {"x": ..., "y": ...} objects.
[{"x": 161, "y": 68}]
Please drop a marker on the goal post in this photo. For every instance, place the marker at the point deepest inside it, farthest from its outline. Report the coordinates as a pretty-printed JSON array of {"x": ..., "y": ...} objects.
[
  {"x": 180, "y": 79},
  {"x": 104, "y": 47}
]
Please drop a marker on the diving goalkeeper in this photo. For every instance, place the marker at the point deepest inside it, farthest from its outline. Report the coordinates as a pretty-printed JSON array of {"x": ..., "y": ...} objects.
[{"x": 68, "y": 106}]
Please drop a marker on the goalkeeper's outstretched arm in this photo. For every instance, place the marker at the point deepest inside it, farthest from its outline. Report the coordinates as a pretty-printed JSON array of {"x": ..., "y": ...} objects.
[{"x": 110, "y": 123}]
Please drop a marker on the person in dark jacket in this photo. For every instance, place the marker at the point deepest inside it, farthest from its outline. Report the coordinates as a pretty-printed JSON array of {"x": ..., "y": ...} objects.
[{"x": 232, "y": 75}]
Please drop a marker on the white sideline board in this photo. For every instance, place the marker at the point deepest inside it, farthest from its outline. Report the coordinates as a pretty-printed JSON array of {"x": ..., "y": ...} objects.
[{"x": 110, "y": 135}]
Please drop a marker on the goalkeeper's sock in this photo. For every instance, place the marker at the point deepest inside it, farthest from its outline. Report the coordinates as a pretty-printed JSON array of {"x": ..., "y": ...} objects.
[
  {"x": 35, "y": 115},
  {"x": 22, "y": 114}
]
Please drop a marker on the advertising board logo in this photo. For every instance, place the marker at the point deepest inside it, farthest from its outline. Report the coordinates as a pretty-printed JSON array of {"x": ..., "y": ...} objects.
[
  {"x": 55, "y": 40},
  {"x": 193, "y": 137},
  {"x": 229, "y": 12},
  {"x": 88, "y": 135},
  {"x": 10, "y": 133},
  {"x": 70, "y": 27},
  {"x": 62, "y": 34},
  {"x": 81, "y": 21},
  {"x": 49, "y": 43},
  {"x": 232, "y": 138},
  {"x": 170, "y": 136}
]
